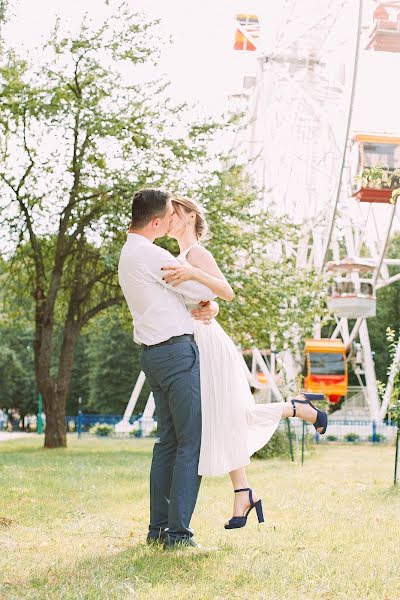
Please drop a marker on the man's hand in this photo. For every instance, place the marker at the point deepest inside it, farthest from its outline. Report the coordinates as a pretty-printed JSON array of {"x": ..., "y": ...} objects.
[{"x": 206, "y": 311}]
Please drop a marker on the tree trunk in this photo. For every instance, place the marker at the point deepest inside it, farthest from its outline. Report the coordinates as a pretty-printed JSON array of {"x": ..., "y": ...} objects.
[
  {"x": 55, "y": 393},
  {"x": 56, "y": 429}
]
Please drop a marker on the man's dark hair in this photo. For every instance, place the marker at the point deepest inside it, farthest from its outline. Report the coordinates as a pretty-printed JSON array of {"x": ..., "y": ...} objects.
[{"x": 148, "y": 205}]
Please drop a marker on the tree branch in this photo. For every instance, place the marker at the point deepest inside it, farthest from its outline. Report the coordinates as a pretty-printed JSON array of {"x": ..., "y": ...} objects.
[
  {"x": 79, "y": 230},
  {"x": 85, "y": 290},
  {"x": 98, "y": 308},
  {"x": 62, "y": 249}
]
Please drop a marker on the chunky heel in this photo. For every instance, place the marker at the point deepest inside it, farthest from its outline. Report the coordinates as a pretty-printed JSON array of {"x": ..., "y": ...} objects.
[
  {"x": 259, "y": 511},
  {"x": 238, "y": 522},
  {"x": 322, "y": 418}
]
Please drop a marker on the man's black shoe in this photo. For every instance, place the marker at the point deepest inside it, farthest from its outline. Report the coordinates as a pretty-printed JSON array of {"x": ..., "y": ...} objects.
[{"x": 171, "y": 543}]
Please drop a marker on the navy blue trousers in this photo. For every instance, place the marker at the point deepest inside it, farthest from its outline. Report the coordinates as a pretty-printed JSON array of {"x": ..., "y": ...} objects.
[{"x": 173, "y": 372}]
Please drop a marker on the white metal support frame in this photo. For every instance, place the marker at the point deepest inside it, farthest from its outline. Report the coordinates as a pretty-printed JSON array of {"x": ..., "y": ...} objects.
[{"x": 146, "y": 420}]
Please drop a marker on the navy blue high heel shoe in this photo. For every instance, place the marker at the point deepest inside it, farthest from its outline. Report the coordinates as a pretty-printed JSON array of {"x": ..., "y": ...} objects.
[
  {"x": 237, "y": 522},
  {"x": 322, "y": 417}
]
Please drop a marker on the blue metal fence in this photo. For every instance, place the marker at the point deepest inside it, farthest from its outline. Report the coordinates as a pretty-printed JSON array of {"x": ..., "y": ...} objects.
[
  {"x": 349, "y": 431},
  {"x": 339, "y": 430},
  {"x": 82, "y": 423}
]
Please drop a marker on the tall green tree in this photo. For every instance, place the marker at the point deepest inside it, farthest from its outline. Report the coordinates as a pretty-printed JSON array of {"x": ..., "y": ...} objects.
[{"x": 77, "y": 138}]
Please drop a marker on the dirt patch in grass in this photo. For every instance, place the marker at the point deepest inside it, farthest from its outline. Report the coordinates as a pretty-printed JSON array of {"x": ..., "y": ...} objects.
[{"x": 6, "y": 522}]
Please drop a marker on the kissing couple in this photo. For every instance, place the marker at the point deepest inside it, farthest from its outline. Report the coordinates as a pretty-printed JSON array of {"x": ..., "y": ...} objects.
[{"x": 207, "y": 420}]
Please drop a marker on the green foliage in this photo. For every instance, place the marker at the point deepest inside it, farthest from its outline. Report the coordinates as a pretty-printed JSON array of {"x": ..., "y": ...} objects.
[
  {"x": 331, "y": 438},
  {"x": 351, "y": 437},
  {"x": 3, "y": 8},
  {"x": 16, "y": 367},
  {"x": 274, "y": 305},
  {"x": 394, "y": 405},
  {"x": 379, "y": 437},
  {"x": 277, "y": 447},
  {"x": 102, "y": 430},
  {"x": 11, "y": 372},
  {"x": 380, "y": 176},
  {"x": 137, "y": 433},
  {"x": 113, "y": 365}
]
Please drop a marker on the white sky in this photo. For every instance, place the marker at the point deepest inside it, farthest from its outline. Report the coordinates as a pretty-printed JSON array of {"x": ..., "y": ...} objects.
[{"x": 201, "y": 63}]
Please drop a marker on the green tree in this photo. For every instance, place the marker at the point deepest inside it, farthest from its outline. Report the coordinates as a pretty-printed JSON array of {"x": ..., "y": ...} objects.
[
  {"x": 11, "y": 374},
  {"x": 77, "y": 138},
  {"x": 387, "y": 315},
  {"x": 274, "y": 304},
  {"x": 16, "y": 367},
  {"x": 3, "y": 8},
  {"x": 113, "y": 366}
]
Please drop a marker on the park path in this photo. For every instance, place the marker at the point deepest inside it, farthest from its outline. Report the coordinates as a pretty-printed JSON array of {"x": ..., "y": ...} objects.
[{"x": 6, "y": 436}]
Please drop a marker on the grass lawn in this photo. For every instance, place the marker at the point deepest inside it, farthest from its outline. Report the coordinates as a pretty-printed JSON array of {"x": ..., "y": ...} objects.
[{"x": 79, "y": 519}]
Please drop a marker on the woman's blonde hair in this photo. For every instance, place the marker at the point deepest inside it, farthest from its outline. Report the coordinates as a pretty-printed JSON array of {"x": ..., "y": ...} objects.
[{"x": 184, "y": 206}]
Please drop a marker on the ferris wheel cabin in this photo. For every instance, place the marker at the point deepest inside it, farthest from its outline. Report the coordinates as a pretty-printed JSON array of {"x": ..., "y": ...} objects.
[
  {"x": 352, "y": 293},
  {"x": 385, "y": 35},
  {"x": 326, "y": 368},
  {"x": 367, "y": 152}
]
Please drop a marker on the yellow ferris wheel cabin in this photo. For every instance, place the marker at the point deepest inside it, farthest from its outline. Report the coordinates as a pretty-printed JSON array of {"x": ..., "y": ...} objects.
[{"x": 326, "y": 368}]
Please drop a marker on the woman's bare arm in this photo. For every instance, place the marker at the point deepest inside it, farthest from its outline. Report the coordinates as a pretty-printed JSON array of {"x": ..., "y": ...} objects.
[{"x": 203, "y": 268}]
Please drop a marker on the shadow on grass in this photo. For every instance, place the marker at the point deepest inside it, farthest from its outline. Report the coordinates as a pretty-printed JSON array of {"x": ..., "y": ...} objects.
[{"x": 137, "y": 569}]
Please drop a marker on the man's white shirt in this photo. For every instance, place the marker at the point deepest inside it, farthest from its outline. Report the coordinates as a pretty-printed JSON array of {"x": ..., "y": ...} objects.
[{"x": 158, "y": 310}]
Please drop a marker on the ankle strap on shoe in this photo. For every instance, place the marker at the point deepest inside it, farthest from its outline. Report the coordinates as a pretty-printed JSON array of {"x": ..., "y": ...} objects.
[
  {"x": 294, "y": 408},
  {"x": 250, "y": 494}
]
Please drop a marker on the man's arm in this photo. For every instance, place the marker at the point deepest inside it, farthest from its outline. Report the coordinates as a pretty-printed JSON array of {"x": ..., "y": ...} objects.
[{"x": 158, "y": 258}]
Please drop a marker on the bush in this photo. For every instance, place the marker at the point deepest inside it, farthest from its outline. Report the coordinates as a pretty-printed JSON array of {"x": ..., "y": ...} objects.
[
  {"x": 135, "y": 433},
  {"x": 379, "y": 437},
  {"x": 138, "y": 433},
  {"x": 331, "y": 438},
  {"x": 102, "y": 430},
  {"x": 278, "y": 446},
  {"x": 352, "y": 437}
]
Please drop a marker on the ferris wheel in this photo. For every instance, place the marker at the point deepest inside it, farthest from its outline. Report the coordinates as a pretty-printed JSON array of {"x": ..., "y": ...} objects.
[{"x": 303, "y": 146}]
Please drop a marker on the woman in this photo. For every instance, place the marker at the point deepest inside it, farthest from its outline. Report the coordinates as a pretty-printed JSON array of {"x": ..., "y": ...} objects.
[{"x": 233, "y": 426}]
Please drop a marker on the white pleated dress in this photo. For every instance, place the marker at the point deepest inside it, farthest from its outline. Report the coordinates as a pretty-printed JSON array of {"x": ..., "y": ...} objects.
[{"x": 233, "y": 425}]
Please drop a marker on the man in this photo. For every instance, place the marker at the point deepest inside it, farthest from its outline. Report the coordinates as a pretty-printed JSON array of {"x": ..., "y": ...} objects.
[{"x": 170, "y": 360}]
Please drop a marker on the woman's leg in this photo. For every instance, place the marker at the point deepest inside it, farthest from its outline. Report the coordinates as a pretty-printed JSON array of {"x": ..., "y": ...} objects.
[
  {"x": 238, "y": 476},
  {"x": 241, "y": 500},
  {"x": 303, "y": 411}
]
